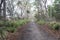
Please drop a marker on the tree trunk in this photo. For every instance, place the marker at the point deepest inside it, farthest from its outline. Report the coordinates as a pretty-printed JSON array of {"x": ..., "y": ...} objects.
[
  {"x": 0, "y": 10},
  {"x": 4, "y": 10}
]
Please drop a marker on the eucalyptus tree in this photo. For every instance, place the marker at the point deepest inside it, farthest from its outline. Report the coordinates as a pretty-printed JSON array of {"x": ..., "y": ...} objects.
[
  {"x": 10, "y": 8},
  {"x": 1, "y": 1},
  {"x": 56, "y": 9},
  {"x": 42, "y": 9},
  {"x": 21, "y": 6},
  {"x": 3, "y": 8},
  {"x": 45, "y": 8},
  {"x": 27, "y": 8},
  {"x": 24, "y": 6}
]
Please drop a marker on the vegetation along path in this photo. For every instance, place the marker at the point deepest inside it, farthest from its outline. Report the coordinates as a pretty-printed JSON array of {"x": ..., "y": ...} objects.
[{"x": 32, "y": 32}]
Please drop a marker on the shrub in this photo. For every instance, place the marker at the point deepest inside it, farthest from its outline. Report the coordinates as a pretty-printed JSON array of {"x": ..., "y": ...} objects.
[
  {"x": 10, "y": 29},
  {"x": 41, "y": 22},
  {"x": 22, "y": 22},
  {"x": 54, "y": 25},
  {"x": 2, "y": 33},
  {"x": 12, "y": 25},
  {"x": 8, "y": 23},
  {"x": 1, "y": 23}
]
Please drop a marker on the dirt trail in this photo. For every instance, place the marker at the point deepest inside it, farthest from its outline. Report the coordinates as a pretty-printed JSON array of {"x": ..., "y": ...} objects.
[{"x": 33, "y": 33}]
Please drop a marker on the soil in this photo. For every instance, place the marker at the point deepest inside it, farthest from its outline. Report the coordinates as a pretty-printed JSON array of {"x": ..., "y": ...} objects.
[
  {"x": 55, "y": 33},
  {"x": 14, "y": 36}
]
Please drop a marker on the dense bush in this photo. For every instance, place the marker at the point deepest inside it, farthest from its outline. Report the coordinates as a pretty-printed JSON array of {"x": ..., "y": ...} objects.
[
  {"x": 41, "y": 22},
  {"x": 1, "y": 23},
  {"x": 2, "y": 33},
  {"x": 54, "y": 25},
  {"x": 10, "y": 29},
  {"x": 12, "y": 25}
]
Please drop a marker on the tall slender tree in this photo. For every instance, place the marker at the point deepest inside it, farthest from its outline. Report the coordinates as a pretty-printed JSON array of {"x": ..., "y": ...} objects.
[{"x": 4, "y": 9}]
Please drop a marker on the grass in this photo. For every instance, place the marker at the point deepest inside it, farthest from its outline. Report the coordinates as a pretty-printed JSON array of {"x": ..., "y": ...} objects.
[{"x": 41, "y": 22}]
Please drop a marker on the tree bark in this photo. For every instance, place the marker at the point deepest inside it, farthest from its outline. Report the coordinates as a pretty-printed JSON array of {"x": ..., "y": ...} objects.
[
  {"x": 4, "y": 10},
  {"x": 0, "y": 10}
]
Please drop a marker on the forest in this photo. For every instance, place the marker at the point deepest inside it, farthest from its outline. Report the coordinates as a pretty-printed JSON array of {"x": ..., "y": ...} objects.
[{"x": 29, "y": 19}]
